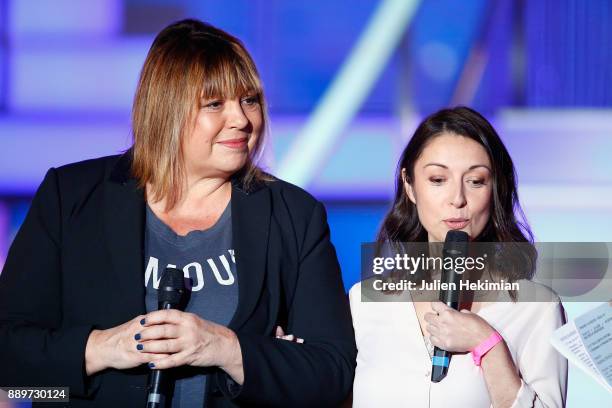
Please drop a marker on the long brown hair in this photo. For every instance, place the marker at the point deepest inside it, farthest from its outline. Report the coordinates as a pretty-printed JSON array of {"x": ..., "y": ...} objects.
[
  {"x": 188, "y": 60},
  {"x": 507, "y": 223}
]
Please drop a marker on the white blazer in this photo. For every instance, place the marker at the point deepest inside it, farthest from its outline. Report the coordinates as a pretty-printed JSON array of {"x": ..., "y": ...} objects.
[{"x": 394, "y": 365}]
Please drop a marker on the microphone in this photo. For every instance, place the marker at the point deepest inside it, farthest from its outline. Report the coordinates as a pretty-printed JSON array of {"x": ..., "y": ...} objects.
[
  {"x": 455, "y": 246},
  {"x": 169, "y": 295}
]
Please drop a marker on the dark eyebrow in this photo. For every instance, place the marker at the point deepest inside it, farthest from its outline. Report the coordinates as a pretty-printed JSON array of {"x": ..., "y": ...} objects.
[
  {"x": 435, "y": 164},
  {"x": 446, "y": 167},
  {"x": 480, "y": 165}
]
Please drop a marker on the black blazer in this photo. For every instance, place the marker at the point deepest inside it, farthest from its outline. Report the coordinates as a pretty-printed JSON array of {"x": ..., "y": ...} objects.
[{"x": 77, "y": 264}]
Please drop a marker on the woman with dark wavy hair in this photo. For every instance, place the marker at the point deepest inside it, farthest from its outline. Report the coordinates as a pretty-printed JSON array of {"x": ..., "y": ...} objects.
[{"x": 456, "y": 174}]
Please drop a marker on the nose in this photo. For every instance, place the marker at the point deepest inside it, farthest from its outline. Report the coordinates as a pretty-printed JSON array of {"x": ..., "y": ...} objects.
[
  {"x": 236, "y": 118},
  {"x": 458, "y": 196}
]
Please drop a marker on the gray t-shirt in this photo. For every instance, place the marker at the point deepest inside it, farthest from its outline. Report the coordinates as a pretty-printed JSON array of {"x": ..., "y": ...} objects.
[{"x": 207, "y": 258}]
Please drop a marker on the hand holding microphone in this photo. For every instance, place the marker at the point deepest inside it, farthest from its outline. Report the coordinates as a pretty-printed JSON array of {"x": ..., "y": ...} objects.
[
  {"x": 451, "y": 330},
  {"x": 455, "y": 331},
  {"x": 165, "y": 338}
]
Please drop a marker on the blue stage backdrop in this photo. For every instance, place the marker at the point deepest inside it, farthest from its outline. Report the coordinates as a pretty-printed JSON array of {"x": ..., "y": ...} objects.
[{"x": 346, "y": 81}]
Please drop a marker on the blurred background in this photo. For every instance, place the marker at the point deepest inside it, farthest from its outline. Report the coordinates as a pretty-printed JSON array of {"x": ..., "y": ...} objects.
[{"x": 347, "y": 82}]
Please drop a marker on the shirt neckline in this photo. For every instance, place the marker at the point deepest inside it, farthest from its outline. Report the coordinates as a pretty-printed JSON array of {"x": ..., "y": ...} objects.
[{"x": 167, "y": 233}]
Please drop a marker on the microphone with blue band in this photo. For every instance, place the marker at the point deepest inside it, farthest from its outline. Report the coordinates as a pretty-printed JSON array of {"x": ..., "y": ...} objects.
[{"x": 455, "y": 246}]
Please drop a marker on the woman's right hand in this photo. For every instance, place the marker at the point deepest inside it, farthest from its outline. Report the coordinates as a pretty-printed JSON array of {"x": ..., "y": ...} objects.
[{"x": 116, "y": 348}]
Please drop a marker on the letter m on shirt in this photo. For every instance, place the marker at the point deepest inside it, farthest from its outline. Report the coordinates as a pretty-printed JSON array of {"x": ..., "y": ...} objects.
[{"x": 152, "y": 269}]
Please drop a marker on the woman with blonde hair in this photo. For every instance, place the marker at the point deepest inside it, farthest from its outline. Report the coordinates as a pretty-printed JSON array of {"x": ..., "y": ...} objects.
[{"x": 78, "y": 294}]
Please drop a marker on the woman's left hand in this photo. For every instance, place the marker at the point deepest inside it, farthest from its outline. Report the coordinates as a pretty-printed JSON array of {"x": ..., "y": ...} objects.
[
  {"x": 456, "y": 331},
  {"x": 189, "y": 340}
]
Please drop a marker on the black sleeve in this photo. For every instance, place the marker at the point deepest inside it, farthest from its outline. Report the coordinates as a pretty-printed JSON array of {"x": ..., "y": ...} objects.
[
  {"x": 35, "y": 348},
  {"x": 320, "y": 371}
]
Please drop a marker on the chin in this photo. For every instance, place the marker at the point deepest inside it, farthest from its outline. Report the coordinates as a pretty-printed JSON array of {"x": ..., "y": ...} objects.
[{"x": 232, "y": 166}]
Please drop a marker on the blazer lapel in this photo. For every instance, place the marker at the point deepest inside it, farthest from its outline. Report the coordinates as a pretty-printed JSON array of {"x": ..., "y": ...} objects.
[
  {"x": 124, "y": 218},
  {"x": 250, "y": 229}
]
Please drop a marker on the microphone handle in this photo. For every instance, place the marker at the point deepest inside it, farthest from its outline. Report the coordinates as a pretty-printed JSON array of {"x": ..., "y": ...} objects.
[
  {"x": 441, "y": 358},
  {"x": 439, "y": 364},
  {"x": 156, "y": 396}
]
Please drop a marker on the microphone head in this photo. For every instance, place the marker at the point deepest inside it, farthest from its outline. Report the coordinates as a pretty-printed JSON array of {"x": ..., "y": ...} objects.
[
  {"x": 456, "y": 243},
  {"x": 171, "y": 286},
  {"x": 455, "y": 246}
]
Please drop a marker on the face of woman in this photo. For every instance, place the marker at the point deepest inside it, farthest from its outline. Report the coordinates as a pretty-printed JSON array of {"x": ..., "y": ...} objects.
[
  {"x": 452, "y": 186},
  {"x": 224, "y": 132}
]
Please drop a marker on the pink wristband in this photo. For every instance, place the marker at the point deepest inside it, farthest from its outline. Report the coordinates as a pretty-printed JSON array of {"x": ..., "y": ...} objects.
[{"x": 480, "y": 350}]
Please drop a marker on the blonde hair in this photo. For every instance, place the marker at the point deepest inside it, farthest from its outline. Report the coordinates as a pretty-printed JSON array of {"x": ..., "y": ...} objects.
[{"x": 188, "y": 60}]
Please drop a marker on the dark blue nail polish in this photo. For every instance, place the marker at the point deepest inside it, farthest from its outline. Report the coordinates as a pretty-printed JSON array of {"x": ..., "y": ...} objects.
[
  {"x": 139, "y": 346},
  {"x": 137, "y": 336},
  {"x": 142, "y": 322},
  {"x": 151, "y": 365}
]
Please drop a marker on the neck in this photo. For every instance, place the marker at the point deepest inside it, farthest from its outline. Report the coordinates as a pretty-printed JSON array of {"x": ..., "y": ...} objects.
[{"x": 198, "y": 192}]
